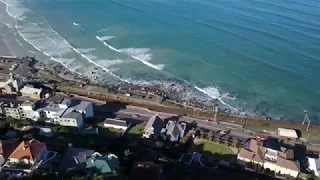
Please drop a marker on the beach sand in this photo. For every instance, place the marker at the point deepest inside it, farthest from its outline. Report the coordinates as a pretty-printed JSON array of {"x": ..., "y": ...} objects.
[{"x": 4, "y": 50}]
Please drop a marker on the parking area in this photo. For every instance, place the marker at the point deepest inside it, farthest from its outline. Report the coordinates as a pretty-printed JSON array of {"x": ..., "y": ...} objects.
[{"x": 18, "y": 66}]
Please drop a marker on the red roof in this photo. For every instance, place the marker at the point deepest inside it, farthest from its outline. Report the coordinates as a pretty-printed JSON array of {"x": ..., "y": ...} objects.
[{"x": 28, "y": 150}]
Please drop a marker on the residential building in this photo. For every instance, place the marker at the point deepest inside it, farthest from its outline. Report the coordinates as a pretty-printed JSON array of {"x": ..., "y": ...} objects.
[
  {"x": 6, "y": 149},
  {"x": 284, "y": 133},
  {"x": 147, "y": 171},
  {"x": 104, "y": 164},
  {"x": 31, "y": 92},
  {"x": 12, "y": 108},
  {"x": 68, "y": 112},
  {"x": 154, "y": 127},
  {"x": 11, "y": 86},
  {"x": 29, "y": 107},
  {"x": 75, "y": 158},
  {"x": 115, "y": 123},
  {"x": 175, "y": 130},
  {"x": 314, "y": 165},
  {"x": 29, "y": 152},
  {"x": 260, "y": 155}
]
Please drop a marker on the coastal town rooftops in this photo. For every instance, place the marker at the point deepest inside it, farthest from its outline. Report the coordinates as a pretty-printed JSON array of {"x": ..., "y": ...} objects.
[
  {"x": 71, "y": 115},
  {"x": 29, "y": 89},
  {"x": 6, "y": 148},
  {"x": 286, "y": 153},
  {"x": 314, "y": 165},
  {"x": 290, "y": 133},
  {"x": 75, "y": 158},
  {"x": 116, "y": 122},
  {"x": 155, "y": 125},
  {"x": 288, "y": 164},
  {"x": 28, "y": 149}
]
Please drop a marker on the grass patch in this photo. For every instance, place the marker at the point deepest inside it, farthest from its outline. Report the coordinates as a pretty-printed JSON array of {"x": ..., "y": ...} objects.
[
  {"x": 137, "y": 129},
  {"x": 168, "y": 103},
  {"x": 204, "y": 147}
]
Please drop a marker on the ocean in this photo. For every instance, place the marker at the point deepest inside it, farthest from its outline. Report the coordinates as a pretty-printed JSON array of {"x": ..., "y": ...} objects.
[{"x": 265, "y": 52}]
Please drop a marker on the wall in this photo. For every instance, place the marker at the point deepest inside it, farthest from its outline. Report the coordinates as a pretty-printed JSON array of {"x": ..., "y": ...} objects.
[{"x": 89, "y": 111}]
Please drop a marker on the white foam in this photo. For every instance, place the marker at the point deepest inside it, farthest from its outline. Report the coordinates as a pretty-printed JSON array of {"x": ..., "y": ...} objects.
[
  {"x": 15, "y": 9},
  {"x": 86, "y": 51},
  {"x": 103, "y": 30},
  {"x": 92, "y": 59},
  {"x": 32, "y": 52},
  {"x": 105, "y": 38},
  {"x": 109, "y": 46},
  {"x": 140, "y": 58},
  {"x": 214, "y": 93},
  {"x": 76, "y": 24},
  {"x": 140, "y": 53}
]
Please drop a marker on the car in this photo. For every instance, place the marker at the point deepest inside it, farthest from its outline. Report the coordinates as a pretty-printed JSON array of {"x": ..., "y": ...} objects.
[
  {"x": 135, "y": 115},
  {"x": 223, "y": 132}
]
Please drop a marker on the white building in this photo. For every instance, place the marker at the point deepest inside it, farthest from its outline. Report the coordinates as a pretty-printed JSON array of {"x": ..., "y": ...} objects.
[
  {"x": 314, "y": 165},
  {"x": 31, "y": 92},
  {"x": 66, "y": 113},
  {"x": 284, "y": 133},
  {"x": 114, "y": 123}
]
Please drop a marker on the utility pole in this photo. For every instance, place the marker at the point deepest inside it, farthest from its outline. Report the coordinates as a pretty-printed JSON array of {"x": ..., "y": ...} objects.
[
  {"x": 241, "y": 116},
  {"x": 306, "y": 120}
]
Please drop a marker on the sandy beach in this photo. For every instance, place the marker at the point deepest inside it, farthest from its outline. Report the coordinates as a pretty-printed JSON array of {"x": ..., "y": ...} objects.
[{"x": 4, "y": 50}]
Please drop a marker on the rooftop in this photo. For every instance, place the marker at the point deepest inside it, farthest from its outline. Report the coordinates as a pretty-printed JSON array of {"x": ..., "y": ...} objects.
[
  {"x": 116, "y": 122},
  {"x": 28, "y": 150},
  {"x": 28, "y": 89},
  {"x": 75, "y": 158}
]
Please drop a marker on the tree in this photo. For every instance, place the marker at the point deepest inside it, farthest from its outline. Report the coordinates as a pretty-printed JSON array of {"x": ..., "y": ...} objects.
[
  {"x": 127, "y": 153},
  {"x": 97, "y": 177},
  {"x": 159, "y": 144},
  {"x": 209, "y": 136},
  {"x": 235, "y": 142},
  {"x": 201, "y": 134}
]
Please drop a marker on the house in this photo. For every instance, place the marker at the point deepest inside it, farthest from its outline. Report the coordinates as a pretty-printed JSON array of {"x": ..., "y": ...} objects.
[
  {"x": 314, "y": 165},
  {"x": 75, "y": 158},
  {"x": 29, "y": 152},
  {"x": 6, "y": 149},
  {"x": 175, "y": 130},
  {"x": 29, "y": 107},
  {"x": 12, "y": 108},
  {"x": 11, "y": 86},
  {"x": 31, "y": 92},
  {"x": 115, "y": 123},
  {"x": 104, "y": 164},
  {"x": 147, "y": 171},
  {"x": 154, "y": 127},
  {"x": 284, "y": 133},
  {"x": 68, "y": 112},
  {"x": 260, "y": 155}
]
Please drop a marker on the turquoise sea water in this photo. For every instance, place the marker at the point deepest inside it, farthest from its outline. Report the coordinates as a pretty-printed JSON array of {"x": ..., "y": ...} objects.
[{"x": 266, "y": 52}]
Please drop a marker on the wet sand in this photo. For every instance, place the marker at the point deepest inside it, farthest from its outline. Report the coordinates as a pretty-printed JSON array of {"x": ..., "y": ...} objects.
[{"x": 4, "y": 50}]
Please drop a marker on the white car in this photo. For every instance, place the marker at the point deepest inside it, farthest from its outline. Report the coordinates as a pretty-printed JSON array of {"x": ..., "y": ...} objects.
[
  {"x": 223, "y": 132},
  {"x": 135, "y": 115}
]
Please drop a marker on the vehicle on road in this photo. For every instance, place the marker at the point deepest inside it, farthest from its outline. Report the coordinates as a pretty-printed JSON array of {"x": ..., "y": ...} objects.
[{"x": 135, "y": 115}]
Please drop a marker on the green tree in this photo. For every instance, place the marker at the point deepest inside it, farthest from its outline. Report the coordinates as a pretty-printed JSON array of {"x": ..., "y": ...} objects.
[
  {"x": 159, "y": 144},
  {"x": 201, "y": 134},
  {"x": 235, "y": 142}
]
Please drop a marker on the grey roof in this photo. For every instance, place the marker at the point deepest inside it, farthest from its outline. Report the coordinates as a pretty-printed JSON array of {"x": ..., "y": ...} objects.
[
  {"x": 116, "y": 122},
  {"x": 175, "y": 130},
  {"x": 75, "y": 158},
  {"x": 156, "y": 123},
  {"x": 71, "y": 115},
  {"x": 65, "y": 101},
  {"x": 79, "y": 105}
]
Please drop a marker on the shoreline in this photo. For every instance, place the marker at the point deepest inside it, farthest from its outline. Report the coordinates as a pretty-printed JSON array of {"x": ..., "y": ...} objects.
[{"x": 79, "y": 85}]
